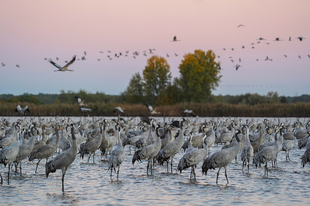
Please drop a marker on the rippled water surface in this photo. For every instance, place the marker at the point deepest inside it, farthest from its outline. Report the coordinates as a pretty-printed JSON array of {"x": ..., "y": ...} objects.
[{"x": 90, "y": 183}]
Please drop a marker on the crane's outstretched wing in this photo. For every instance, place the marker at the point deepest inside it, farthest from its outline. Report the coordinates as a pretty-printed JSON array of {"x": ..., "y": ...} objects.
[
  {"x": 70, "y": 62},
  {"x": 53, "y": 63}
]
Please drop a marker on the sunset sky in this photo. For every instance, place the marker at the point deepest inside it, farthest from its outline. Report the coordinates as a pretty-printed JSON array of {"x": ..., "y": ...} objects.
[{"x": 34, "y": 29}]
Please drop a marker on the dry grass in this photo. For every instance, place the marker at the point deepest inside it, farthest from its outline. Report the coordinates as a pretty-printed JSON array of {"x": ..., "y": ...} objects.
[{"x": 201, "y": 109}]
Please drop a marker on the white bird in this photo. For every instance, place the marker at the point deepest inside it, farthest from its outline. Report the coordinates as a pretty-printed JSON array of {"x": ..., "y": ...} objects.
[
  {"x": 22, "y": 111},
  {"x": 63, "y": 160},
  {"x": 85, "y": 109},
  {"x": 118, "y": 109},
  {"x": 80, "y": 101},
  {"x": 150, "y": 109},
  {"x": 64, "y": 68}
]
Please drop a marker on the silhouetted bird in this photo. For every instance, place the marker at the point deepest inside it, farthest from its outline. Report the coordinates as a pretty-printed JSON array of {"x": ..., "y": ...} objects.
[
  {"x": 278, "y": 39},
  {"x": 17, "y": 65},
  {"x": 301, "y": 38},
  {"x": 240, "y": 25},
  {"x": 237, "y": 66},
  {"x": 175, "y": 39}
]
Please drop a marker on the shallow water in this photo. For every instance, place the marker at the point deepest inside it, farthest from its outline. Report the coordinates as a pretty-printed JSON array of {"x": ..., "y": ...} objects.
[{"x": 88, "y": 183}]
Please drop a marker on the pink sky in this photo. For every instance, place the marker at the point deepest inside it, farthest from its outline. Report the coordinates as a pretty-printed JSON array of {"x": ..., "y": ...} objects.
[{"x": 33, "y": 30}]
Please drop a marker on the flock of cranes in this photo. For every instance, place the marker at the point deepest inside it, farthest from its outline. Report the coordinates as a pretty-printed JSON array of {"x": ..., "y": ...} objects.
[
  {"x": 156, "y": 140},
  {"x": 112, "y": 55}
]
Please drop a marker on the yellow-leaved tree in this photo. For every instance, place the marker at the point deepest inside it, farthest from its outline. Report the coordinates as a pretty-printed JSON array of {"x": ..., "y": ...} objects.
[
  {"x": 156, "y": 76},
  {"x": 199, "y": 74}
]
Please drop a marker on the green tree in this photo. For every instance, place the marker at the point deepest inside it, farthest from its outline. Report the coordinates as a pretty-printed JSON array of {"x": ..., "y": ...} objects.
[
  {"x": 156, "y": 76},
  {"x": 134, "y": 91},
  {"x": 199, "y": 74}
]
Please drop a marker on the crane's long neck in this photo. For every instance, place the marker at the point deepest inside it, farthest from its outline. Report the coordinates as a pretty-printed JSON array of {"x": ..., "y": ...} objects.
[
  {"x": 58, "y": 139},
  {"x": 43, "y": 135}
]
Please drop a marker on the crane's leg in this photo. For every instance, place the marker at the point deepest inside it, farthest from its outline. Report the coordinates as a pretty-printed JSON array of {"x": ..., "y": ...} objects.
[
  {"x": 37, "y": 165},
  {"x": 243, "y": 166},
  {"x": 1, "y": 179},
  {"x": 88, "y": 158},
  {"x": 217, "y": 176},
  {"x": 63, "y": 179},
  {"x": 194, "y": 173},
  {"x": 147, "y": 168},
  {"x": 20, "y": 168},
  {"x": 16, "y": 168},
  {"x": 94, "y": 158},
  {"x": 226, "y": 175},
  {"x": 171, "y": 164},
  {"x": 167, "y": 165},
  {"x": 288, "y": 155},
  {"x": 151, "y": 167},
  {"x": 190, "y": 177},
  {"x": 248, "y": 166},
  {"x": 117, "y": 172},
  {"x": 9, "y": 173}
]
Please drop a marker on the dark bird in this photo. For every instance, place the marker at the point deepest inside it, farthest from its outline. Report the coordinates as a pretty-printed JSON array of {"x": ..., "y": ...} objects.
[
  {"x": 175, "y": 39},
  {"x": 118, "y": 109},
  {"x": 299, "y": 56},
  {"x": 232, "y": 49},
  {"x": 242, "y": 47},
  {"x": 101, "y": 51},
  {"x": 64, "y": 68},
  {"x": 237, "y": 66},
  {"x": 309, "y": 55},
  {"x": 239, "y": 59},
  {"x": 3, "y": 64},
  {"x": 253, "y": 47},
  {"x": 289, "y": 38},
  {"x": 175, "y": 54},
  {"x": 168, "y": 55},
  {"x": 260, "y": 38},
  {"x": 285, "y": 55},
  {"x": 300, "y": 38},
  {"x": 83, "y": 58},
  {"x": 232, "y": 60},
  {"x": 17, "y": 65},
  {"x": 240, "y": 25},
  {"x": 109, "y": 51},
  {"x": 56, "y": 58},
  {"x": 224, "y": 49},
  {"x": 85, "y": 53},
  {"x": 278, "y": 39}
]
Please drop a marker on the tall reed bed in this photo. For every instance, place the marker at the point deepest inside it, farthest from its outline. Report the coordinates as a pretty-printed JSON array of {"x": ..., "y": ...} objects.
[{"x": 201, "y": 109}]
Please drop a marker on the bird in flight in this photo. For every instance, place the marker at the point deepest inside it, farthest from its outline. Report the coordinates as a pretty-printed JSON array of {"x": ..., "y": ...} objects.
[
  {"x": 64, "y": 68},
  {"x": 3, "y": 64},
  {"x": 260, "y": 38},
  {"x": 175, "y": 39},
  {"x": 17, "y": 65},
  {"x": 278, "y": 39},
  {"x": 237, "y": 66},
  {"x": 240, "y": 25},
  {"x": 300, "y": 38}
]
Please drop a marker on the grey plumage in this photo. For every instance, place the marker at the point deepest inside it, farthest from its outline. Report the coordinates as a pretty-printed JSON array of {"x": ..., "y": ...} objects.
[
  {"x": 117, "y": 156},
  {"x": 171, "y": 150},
  {"x": 63, "y": 160},
  {"x": 221, "y": 159},
  {"x": 47, "y": 150}
]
